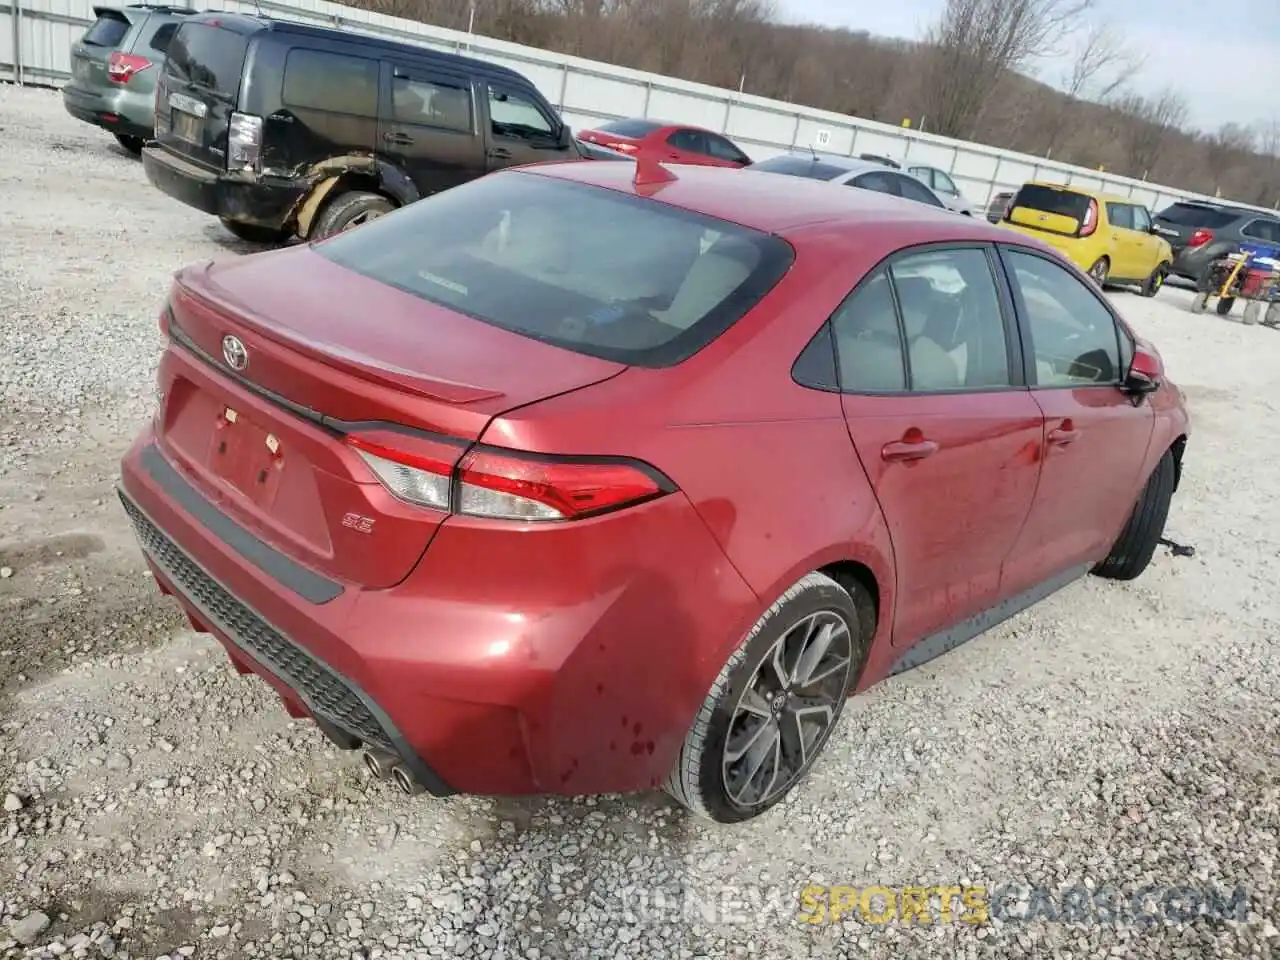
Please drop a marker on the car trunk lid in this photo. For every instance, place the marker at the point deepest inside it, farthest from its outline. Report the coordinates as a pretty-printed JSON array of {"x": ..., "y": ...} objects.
[
  {"x": 1052, "y": 210},
  {"x": 1180, "y": 222},
  {"x": 199, "y": 88},
  {"x": 319, "y": 372}
]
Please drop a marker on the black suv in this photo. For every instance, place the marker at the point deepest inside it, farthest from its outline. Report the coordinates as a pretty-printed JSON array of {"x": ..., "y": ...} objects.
[
  {"x": 1200, "y": 233},
  {"x": 283, "y": 128}
]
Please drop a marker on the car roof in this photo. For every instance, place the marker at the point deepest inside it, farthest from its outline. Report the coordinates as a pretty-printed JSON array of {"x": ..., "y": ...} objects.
[
  {"x": 770, "y": 202},
  {"x": 248, "y": 23}
]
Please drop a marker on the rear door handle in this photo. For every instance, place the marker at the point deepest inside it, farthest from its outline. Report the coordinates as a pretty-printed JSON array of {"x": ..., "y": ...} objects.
[
  {"x": 909, "y": 450},
  {"x": 500, "y": 153},
  {"x": 399, "y": 139}
]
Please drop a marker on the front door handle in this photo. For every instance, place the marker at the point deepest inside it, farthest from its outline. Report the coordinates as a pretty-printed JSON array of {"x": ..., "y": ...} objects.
[
  {"x": 399, "y": 139},
  {"x": 912, "y": 446},
  {"x": 500, "y": 153},
  {"x": 1063, "y": 435}
]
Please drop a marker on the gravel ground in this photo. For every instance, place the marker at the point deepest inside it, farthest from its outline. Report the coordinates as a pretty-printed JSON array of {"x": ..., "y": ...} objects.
[{"x": 153, "y": 804}]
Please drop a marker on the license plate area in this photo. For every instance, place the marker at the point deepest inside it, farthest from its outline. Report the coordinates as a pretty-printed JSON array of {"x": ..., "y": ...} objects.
[
  {"x": 80, "y": 70},
  {"x": 186, "y": 127},
  {"x": 245, "y": 456}
]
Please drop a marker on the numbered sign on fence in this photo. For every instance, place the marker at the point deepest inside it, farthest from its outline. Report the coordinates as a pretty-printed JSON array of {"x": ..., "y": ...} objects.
[{"x": 822, "y": 138}]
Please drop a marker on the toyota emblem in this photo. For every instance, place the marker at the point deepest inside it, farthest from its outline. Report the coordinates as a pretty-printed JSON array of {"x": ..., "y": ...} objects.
[{"x": 234, "y": 353}]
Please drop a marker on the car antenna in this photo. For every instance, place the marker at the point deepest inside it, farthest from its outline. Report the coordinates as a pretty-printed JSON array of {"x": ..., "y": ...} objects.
[{"x": 649, "y": 172}]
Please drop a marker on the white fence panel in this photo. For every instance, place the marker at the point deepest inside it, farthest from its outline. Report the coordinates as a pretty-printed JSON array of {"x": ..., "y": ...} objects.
[{"x": 36, "y": 36}]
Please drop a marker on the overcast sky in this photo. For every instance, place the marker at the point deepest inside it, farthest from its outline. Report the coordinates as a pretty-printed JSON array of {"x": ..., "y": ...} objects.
[{"x": 1177, "y": 37}]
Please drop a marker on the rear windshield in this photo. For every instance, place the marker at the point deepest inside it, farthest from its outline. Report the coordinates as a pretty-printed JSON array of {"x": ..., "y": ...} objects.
[
  {"x": 598, "y": 272},
  {"x": 208, "y": 56},
  {"x": 1196, "y": 215},
  {"x": 1065, "y": 203},
  {"x": 629, "y": 128},
  {"x": 799, "y": 167},
  {"x": 107, "y": 31}
]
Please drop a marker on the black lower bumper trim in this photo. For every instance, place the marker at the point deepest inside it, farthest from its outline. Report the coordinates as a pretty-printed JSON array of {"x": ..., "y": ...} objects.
[
  {"x": 326, "y": 693},
  {"x": 305, "y": 583}
]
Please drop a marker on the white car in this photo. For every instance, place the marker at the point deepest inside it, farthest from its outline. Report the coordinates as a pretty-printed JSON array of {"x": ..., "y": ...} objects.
[
  {"x": 941, "y": 183},
  {"x": 853, "y": 172}
]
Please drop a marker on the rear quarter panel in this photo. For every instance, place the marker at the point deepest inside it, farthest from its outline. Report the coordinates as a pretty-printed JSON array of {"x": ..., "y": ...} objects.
[{"x": 768, "y": 464}]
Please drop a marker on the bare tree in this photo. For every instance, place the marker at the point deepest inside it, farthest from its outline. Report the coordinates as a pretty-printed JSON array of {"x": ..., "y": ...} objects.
[
  {"x": 1101, "y": 65},
  {"x": 975, "y": 43},
  {"x": 1146, "y": 125}
]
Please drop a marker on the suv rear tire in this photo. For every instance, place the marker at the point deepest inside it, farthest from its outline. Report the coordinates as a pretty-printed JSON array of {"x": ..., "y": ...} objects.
[
  {"x": 751, "y": 700},
  {"x": 349, "y": 210},
  {"x": 133, "y": 144},
  {"x": 254, "y": 233},
  {"x": 1137, "y": 542}
]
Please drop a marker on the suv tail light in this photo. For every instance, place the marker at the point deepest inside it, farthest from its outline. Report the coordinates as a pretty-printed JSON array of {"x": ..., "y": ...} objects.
[
  {"x": 506, "y": 484},
  {"x": 121, "y": 67},
  {"x": 244, "y": 142},
  {"x": 1200, "y": 238},
  {"x": 1090, "y": 221}
]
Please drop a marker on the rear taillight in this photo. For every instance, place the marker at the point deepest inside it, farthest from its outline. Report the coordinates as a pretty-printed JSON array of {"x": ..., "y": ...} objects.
[
  {"x": 244, "y": 142},
  {"x": 1200, "y": 238},
  {"x": 1090, "y": 221},
  {"x": 121, "y": 67},
  {"x": 505, "y": 484}
]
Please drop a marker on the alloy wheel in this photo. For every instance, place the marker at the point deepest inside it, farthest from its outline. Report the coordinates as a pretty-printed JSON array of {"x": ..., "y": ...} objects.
[{"x": 787, "y": 710}]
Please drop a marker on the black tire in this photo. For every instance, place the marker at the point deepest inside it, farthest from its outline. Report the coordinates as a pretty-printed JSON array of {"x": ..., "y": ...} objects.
[
  {"x": 255, "y": 234},
  {"x": 348, "y": 210},
  {"x": 1100, "y": 270},
  {"x": 133, "y": 144},
  {"x": 1137, "y": 542},
  {"x": 700, "y": 778},
  {"x": 1151, "y": 286},
  {"x": 1224, "y": 305}
]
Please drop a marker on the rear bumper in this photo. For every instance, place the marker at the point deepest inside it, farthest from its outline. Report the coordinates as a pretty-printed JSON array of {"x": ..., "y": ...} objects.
[
  {"x": 1191, "y": 262},
  {"x": 563, "y": 669},
  {"x": 261, "y": 202},
  {"x": 119, "y": 111}
]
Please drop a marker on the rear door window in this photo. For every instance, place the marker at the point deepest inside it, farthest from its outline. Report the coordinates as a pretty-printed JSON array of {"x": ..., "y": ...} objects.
[
  {"x": 107, "y": 31},
  {"x": 1267, "y": 231},
  {"x": 877, "y": 181},
  {"x": 331, "y": 82},
  {"x": 598, "y": 272},
  {"x": 914, "y": 190},
  {"x": 427, "y": 100},
  {"x": 209, "y": 57},
  {"x": 1120, "y": 215}
]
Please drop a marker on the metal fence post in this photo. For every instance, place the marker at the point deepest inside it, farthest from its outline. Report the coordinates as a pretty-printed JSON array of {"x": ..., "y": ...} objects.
[
  {"x": 795, "y": 133},
  {"x": 15, "y": 14},
  {"x": 648, "y": 94},
  {"x": 564, "y": 86},
  {"x": 724, "y": 122}
]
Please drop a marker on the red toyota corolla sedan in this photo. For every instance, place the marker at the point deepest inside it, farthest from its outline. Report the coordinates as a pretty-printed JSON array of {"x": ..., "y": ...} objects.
[
  {"x": 666, "y": 143},
  {"x": 596, "y": 477}
]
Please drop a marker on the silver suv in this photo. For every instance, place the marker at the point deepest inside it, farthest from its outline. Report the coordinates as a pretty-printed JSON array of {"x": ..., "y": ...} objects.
[{"x": 114, "y": 68}]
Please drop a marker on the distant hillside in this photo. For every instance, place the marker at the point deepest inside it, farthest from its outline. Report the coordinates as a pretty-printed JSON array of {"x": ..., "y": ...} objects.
[{"x": 728, "y": 43}]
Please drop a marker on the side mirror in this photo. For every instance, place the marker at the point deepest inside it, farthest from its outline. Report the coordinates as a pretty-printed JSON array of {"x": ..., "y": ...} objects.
[
  {"x": 565, "y": 138},
  {"x": 1146, "y": 373}
]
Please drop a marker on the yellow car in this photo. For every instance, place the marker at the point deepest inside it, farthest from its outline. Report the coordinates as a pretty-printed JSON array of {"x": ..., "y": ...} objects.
[{"x": 1110, "y": 237}]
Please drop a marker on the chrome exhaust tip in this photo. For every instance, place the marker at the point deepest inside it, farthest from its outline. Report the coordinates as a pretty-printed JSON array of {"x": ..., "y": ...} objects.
[
  {"x": 404, "y": 780},
  {"x": 379, "y": 764}
]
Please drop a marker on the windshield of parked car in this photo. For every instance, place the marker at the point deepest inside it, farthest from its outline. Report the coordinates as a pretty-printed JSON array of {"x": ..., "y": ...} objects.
[
  {"x": 794, "y": 166},
  {"x": 593, "y": 270}
]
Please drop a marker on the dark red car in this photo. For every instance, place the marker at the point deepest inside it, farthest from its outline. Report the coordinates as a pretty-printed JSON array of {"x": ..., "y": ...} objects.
[
  {"x": 666, "y": 143},
  {"x": 596, "y": 477}
]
